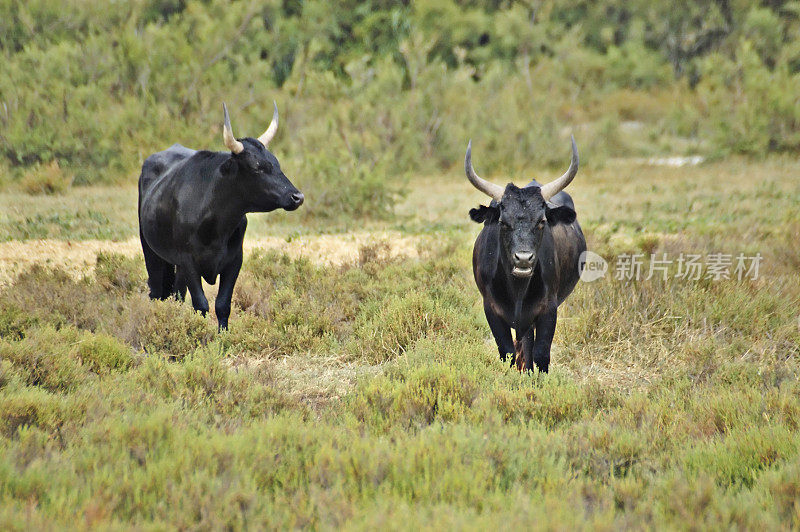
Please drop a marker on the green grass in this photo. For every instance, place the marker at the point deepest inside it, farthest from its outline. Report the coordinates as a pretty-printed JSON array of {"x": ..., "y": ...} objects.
[{"x": 369, "y": 394}]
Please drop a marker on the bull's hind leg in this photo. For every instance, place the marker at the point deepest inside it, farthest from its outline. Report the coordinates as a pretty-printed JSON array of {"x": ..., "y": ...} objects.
[
  {"x": 179, "y": 288},
  {"x": 160, "y": 273},
  {"x": 501, "y": 332},
  {"x": 168, "y": 281}
]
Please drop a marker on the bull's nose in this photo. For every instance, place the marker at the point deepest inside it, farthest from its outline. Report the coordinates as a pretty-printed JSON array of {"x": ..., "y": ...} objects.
[
  {"x": 298, "y": 198},
  {"x": 525, "y": 257}
]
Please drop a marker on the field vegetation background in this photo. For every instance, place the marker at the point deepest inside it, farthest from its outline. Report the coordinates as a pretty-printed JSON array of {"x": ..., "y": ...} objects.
[
  {"x": 364, "y": 391},
  {"x": 371, "y": 92}
]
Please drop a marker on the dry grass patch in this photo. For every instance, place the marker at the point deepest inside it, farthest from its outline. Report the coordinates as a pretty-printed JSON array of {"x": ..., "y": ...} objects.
[{"x": 79, "y": 257}]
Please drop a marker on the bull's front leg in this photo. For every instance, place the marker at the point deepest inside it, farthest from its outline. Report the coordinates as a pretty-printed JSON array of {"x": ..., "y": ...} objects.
[
  {"x": 227, "y": 280},
  {"x": 501, "y": 332},
  {"x": 545, "y": 329}
]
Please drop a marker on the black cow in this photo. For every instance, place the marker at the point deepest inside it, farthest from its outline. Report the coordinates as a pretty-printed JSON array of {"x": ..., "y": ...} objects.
[
  {"x": 526, "y": 261},
  {"x": 192, "y": 213}
]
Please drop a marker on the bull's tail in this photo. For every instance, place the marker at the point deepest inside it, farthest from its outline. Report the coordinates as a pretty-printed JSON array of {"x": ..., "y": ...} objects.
[
  {"x": 519, "y": 358},
  {"x": 523, "y": 351}
]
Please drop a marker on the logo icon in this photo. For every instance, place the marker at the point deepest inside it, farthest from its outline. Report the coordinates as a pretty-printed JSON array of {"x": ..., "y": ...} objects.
[{"x": 592, "y": 266}]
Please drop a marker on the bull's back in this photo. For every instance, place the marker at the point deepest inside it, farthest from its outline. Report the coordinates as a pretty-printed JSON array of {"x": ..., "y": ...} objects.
[
  {"x": 159, "y": 165},
  {"x": 156, "y": 198}
]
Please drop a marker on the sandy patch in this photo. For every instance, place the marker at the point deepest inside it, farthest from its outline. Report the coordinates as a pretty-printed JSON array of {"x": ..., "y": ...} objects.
[{"x": 80, "y": 257}]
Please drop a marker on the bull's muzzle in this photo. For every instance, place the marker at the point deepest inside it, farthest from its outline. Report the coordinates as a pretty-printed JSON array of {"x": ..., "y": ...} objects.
[
  {"x": 523, "y": 264},
  {"x": 295, "y": 200}
]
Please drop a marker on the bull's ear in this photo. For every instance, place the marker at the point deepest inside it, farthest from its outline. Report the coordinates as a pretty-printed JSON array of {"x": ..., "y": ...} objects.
[
  {"x": 484, "y": 214},
  {"x": 229, "y": 167},
  {"x": 560, "y": 215}
]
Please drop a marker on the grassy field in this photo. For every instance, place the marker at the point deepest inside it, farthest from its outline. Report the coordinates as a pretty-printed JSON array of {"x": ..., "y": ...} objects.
[{"x": 365, "y": 391}]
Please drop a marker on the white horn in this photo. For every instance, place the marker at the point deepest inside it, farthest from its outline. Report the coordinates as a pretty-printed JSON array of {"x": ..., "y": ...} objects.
[
  {"x": 554, "y": 187},
  {"x": 490, "y": 189},
  {"x": 273, "y": 127},
  {"x": 227, "y": 133}
]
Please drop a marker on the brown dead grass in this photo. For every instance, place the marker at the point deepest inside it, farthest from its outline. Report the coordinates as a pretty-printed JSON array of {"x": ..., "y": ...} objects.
[
  {"x": 315, "y": 380},
  {"x": 79, "y": 257}
]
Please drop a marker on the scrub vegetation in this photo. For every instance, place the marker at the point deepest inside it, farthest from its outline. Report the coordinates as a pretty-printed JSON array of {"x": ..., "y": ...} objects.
[
  {"x": 366, "y": 392},
  {"x": 370, "y": 394}
]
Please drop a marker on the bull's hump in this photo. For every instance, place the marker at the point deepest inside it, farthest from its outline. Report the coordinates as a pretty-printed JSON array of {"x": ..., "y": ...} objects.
[
  {"x": 163, "y": 161},
  {"x": 180, "y": 149}
]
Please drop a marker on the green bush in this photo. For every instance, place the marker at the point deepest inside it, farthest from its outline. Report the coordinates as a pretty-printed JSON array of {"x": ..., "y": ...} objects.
[
  {"x": 371, "y": 93},
  {"x": 26, "y": 407},
  {"x": 45, "y": 179},
  {"x": 346, "y": 187},
  {"x": 47, "y": 358},
  {"x": 60, "y": 359},
  {"x": 169, "y": 328},
  {"x": 52, "y": 295},
  {"x": 13, "y": 322},
  {"x": 102, "y": 353},
  {"x": 389, "y": 327},
  {"x": 120, "y": 273},
  {"x": 761, "y": 115}
]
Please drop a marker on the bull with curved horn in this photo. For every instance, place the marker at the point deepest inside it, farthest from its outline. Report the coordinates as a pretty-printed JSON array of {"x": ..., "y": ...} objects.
[{"x": 192, "y": 213}]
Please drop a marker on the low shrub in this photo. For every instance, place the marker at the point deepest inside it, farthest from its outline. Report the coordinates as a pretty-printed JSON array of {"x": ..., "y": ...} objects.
[
  {"x": 168, "y": 327},
  {"x": 387, "y": 328},
  {"x": 117, "y": 272},
  {"x": 47, "y": 358},
  {"x": 102, "y": 353},
  {"x": 46, "y": 179},
  {"x": 29, "y": 406},
  {"x": 14, "y": 322},
  {"x": 51, "y": 295},
  {"x": 60, "y": 359}
]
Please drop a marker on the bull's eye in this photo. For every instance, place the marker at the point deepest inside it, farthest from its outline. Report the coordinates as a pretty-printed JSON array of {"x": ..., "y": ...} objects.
[{"x": 266, "y": 167}]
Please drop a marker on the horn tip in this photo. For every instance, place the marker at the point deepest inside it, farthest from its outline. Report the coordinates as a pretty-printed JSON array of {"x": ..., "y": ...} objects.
[
  {"x": 468, "y": 160},
  {"x": 574, "y": 150}
]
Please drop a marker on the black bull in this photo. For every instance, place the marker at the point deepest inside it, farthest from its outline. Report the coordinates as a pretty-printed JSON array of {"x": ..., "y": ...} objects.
[
  {"x": 526, "y": 262},
  {"x": 192, "y": 207}
]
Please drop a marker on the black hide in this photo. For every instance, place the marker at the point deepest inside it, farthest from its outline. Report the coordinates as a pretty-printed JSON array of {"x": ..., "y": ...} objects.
[
  {"x": 526, "y": 263},
  {"x": 192, "y": 207}
]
